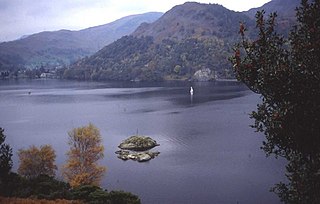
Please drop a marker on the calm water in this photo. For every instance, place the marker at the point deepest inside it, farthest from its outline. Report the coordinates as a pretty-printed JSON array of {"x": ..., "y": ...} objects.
[{"x": 209, "y": 154}]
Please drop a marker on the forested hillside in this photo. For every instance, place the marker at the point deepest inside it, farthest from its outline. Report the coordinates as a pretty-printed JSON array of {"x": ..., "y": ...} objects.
[
  {"x": 188, "y": 38},
  {"x": 192, "y": 41},
  {"x": 63, "y": 47}
]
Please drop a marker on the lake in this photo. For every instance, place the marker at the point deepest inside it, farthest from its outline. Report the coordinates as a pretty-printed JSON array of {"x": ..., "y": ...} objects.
[{"x": 209, "y": 154}]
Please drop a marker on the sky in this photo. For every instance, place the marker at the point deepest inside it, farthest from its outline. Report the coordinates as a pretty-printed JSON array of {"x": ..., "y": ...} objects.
[{"x": 25, "y": 17}]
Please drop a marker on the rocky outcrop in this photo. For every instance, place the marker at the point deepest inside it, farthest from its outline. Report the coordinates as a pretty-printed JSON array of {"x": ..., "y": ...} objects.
[
  {"x": 204, "y": 75},
  {"x": 136, "y": 156},
  {"x": 138, "y": 143},
  {"x": 135, "y": 148}
]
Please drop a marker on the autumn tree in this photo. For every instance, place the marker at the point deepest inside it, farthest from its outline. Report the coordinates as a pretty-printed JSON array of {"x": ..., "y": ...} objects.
[
  {"x": 286, "y": 72},
  {"x": 36, "y": 161},
  {"x": 85, "y": 151},
  {"x": 5, "y": 156}
]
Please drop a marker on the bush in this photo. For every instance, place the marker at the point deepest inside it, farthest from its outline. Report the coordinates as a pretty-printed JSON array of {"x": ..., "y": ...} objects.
[
  {"x": 96, "y": 195},
  {"x": 121, "y": 197}
]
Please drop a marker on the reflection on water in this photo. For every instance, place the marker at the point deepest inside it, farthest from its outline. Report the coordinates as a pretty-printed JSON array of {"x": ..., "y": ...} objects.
[{"x": 208, "y": 152}]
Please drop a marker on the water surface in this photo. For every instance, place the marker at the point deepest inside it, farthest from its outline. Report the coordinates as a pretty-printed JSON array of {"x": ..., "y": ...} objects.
[{"x": 209, "y": 154}]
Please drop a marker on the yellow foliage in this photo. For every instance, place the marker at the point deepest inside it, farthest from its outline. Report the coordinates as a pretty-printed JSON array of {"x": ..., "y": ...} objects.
[
  {"x": 35, "y": 161},
  {"x": 85, "y": 152}
]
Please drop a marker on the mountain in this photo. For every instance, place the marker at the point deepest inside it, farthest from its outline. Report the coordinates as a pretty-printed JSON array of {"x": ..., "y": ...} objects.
[
  {"x": 189, "y": 42},
  {"x": 285, "y": 10},
  {"x": 65, "y": 46},
  {"x": 192, "y": 20},
  {"x": 186, "y": 39}
]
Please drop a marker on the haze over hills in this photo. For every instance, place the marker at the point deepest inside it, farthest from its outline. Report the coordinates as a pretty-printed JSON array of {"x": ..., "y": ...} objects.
[
  {"x": 186, "y": 39},
  {"x": 65, "y": 46},
  {"x": 190, "y": 42}
]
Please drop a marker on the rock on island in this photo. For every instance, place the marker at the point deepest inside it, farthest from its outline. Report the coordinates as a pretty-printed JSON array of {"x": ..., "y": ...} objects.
[{"x": 135, "y": 148}]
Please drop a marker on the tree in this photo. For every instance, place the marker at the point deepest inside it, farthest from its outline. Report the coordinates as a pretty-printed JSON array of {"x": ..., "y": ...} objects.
[
  {"x": 177, "y": 69},
  {"x": 286, "y": 72},
  {"x": 5, "y": 156},
  {"x": 37, "y": 161},
  {"x": 85, "y": 151}
]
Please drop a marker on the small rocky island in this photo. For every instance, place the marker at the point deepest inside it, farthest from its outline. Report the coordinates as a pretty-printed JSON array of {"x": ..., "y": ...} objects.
[{"x": 136, "y": 148}]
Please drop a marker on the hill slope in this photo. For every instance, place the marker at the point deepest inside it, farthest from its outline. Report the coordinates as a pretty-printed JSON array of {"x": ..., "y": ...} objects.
[
  {"x": 187, "y": 38},
  {"x": 285, "y": 10},
  {"x": 64, "y": 46}
]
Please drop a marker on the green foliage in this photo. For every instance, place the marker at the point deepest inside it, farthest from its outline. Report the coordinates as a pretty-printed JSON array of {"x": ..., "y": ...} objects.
[
  {"x": 132, "y": 58},
  {"x": 83, "y": 192},
  {"x": 5, "y": 157},
  {"x": 304, "y": 186},
  {"x": 42, "y": 187},
  {"x": 177, "y": 69},
  {"x": 48, "y": 188},
  {"x": 186, "y": 39},
  {"x": 121, "y": 197},
  {"x": 96, "y": 195},
  {"x": 286, "y": 72},
  {"x": 5, "y": 163},
  {"x": 42, "y": 184}
]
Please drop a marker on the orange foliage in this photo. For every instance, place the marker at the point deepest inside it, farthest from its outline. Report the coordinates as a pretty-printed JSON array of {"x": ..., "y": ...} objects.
[
  {"x": 85, "y": 151},
  {"x": 36, "y": 161}
]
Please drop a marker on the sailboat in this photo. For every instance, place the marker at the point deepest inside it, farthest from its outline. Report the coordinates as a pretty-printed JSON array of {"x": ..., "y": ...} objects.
[{"x": 191, "y": 90}]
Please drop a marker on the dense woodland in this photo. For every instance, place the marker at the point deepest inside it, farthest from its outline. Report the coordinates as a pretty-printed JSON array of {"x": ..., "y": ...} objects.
[
  {"x": 133, "y": 58},
  {"x": 188, "y": 38}
]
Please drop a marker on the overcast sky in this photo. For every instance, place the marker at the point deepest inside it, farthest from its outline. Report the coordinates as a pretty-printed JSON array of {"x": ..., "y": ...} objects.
[{"x": 24, "y": 17}]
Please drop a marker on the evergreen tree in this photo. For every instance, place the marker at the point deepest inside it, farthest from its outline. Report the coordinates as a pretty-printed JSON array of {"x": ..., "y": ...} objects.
[
  {"x": 286, "y": 72},
  {"x": 5, "y": 156}
]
